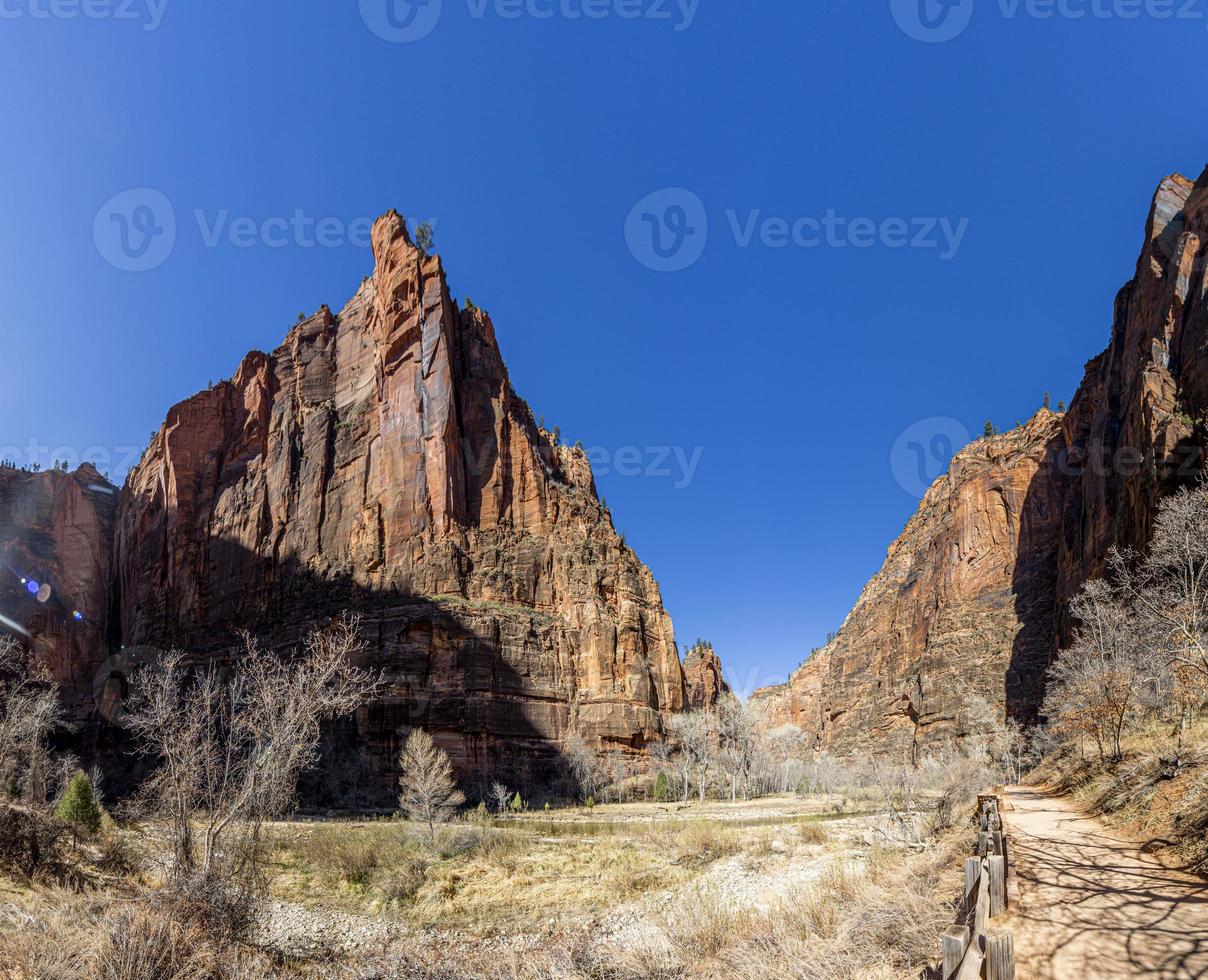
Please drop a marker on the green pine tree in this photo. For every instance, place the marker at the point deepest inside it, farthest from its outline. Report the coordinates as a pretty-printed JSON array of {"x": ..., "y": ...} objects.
[
  {"x": 662, "y": 791},
  {"x": 517, "y": 803},
  {"x": 425, "y": 241},
  {"x": 990, "y": 430},
  {"x": 79, "y": 807}
]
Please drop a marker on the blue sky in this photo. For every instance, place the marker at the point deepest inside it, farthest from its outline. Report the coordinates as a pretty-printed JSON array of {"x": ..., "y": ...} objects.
[{"x": 544, "y": 148}]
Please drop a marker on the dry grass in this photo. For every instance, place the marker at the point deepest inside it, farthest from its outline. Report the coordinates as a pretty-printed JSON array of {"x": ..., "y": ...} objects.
[{"x": 541, "y": 901}]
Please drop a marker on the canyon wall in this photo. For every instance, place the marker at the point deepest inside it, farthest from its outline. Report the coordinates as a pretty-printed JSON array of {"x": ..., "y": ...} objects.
[
  {"x": 972, "y": 601},
  {"x": 379, "y": 461}
]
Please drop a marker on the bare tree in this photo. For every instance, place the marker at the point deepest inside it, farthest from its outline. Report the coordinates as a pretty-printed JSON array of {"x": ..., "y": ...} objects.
[
  {"x": 501, "y": 796},
  {"x": 584, "y": 765},
  {"x": 785, "y": 745},
  {"x": 738, "y": 736},
  {"x": 428, "y": 792},
  {"x": 697, "y": 737},
  {"x": 29, "y": 712},
  {"x": 231, "y": 747},
  {"x": 1096, "y": 683}
]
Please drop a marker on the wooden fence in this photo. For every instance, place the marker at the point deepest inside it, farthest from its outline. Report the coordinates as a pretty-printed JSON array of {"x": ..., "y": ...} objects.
[{"x": 969, "y": 949}]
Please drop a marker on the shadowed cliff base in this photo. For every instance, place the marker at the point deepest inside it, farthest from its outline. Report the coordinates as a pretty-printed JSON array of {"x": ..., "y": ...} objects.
[{"x": 442, "y": 662}]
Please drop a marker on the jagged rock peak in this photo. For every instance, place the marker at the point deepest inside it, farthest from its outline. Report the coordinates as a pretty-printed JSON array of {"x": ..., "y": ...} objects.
[{"x": 705, "y": 685}]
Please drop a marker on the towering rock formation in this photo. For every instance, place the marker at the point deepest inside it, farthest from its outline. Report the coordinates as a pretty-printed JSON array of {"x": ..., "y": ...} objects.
[
  {"x": 379, "y": 461},
  {"x": 56, "y": 571},
  {"x": 943, "y": 619},
  {"x": 703, "y": 679},
  {"x": 973, "y": 597}
]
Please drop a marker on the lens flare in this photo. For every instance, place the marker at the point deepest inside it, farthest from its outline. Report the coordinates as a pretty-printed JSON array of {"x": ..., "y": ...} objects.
[
  {"x": 17, "y": 627},
  {"x": 32, "y": 587},
  {"x": 44, "y": 592},
  {"x": 77, "y": 615}
]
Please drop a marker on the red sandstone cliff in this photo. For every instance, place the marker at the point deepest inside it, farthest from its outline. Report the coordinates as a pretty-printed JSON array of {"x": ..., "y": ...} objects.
[
  {"x": 704, "y": 684},
  {"x": 379, "y": 460},
  {"x": 56, "y": 529},
  {"x": 972, "y": 597},
  {"x": 941, "y": 620}
]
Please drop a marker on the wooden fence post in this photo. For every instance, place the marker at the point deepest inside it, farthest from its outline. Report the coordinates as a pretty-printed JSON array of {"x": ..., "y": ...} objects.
[
  {"x": 972, "y": 870},
  {"x": 955, "y": 942},
  {"x": 982, "y": 911},
  {"x": 1000, "y": 957},
  {"x": 998, "y": 885}
]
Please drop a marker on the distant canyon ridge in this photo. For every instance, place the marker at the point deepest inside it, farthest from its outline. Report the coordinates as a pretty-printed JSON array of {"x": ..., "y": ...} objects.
[
  {"x": 972, "y": 601},
  {"x": 379, "y": 461}
]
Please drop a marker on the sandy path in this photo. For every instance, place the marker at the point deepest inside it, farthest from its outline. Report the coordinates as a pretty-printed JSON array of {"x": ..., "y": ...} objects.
[{"x": 1090, "y": 905}]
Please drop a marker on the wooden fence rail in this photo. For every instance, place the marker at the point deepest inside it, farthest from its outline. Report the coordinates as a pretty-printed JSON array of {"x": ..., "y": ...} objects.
[{"x": 969, "y": 950}]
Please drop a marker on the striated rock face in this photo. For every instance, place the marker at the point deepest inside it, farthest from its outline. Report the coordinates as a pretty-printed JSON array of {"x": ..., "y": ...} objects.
[
  {"x": 940, "y": 621},
  {"x": 973, "y": 598},
  {"x": 55, "y": 530},
  {"x": 704, "y": 684},
  {"x": 380, "y": 461},
  {"x": 1136, "y": 429}
]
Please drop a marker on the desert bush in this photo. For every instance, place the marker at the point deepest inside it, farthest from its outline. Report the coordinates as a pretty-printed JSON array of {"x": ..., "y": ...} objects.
[
  {"x": 812, "y": 832},
  {"x": 31, "y": 842},
  {"x": 143, "y": 942},
  {"x": 402, "y": 883},
  {"x": 354, "y": 859},
  {"x": 117, "y": 853}
]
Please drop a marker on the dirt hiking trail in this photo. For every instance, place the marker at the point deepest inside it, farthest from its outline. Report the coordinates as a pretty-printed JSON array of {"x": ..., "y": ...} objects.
[{"x": 1091, "y": 905}]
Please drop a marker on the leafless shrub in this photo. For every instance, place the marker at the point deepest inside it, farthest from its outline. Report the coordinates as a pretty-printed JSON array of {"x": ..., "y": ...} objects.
[
  {"x": 117, "y": 853},
  {"x": 29, "y": 712},
  {"x": 584, "y": 767},
  {"x": 32, "y": 843},
  {"x": 428, "y": 792},
  {"x": 501, "y": 796},
  {"x": 231, "y": 748}
]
